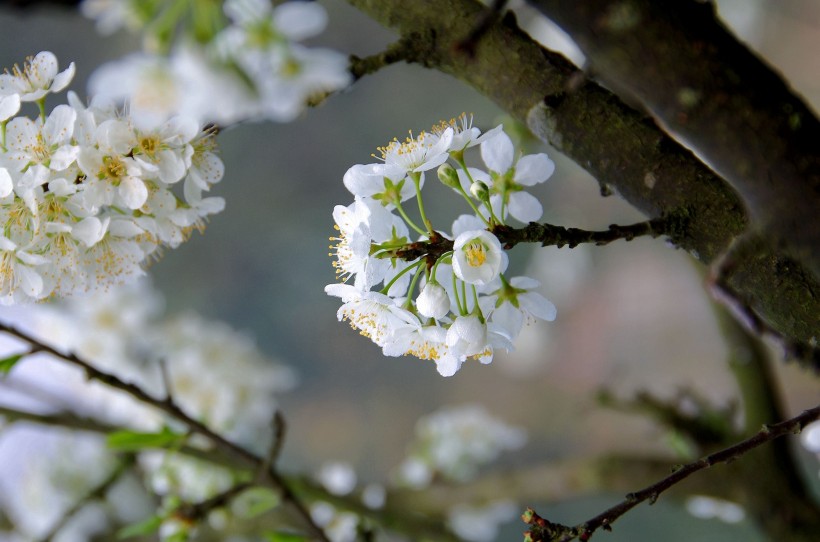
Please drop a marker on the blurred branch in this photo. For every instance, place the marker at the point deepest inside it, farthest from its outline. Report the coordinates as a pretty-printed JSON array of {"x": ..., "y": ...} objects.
[
  {"x": 169, "y": 406},
  {"x": 623, "y": 149},
  {"x": 711, "y": 91},
  {"x": 770, "y": 484},
  {"x": 97, "y": 492},
  {"x": 543, "y": 530},
  {"x": 706, "y": 426}
]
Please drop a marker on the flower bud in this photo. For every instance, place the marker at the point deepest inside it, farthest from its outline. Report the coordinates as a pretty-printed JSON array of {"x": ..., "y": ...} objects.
[
  {"x": 448, "y": 176},
  {"x": 480, "y": 191},
  {"x": 433, "y": 301}
]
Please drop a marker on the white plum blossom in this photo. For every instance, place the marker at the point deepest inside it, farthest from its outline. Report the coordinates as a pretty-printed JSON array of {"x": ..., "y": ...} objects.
[
  {"x": 38, "y": 76},
  {"x": 371, "y": 313},
  {"x": 477, "y": 257},
  {"x": 445, "y": 298},
  {"x": 418, "y": 154},
  {"x": 251, "y": 67},
  {"x": 87, "y": 194},
  {"x": 465, "y": 135},
  {"x": 455, "y": 441},
  {"x": 516, "y": 303},
  {"x": 509, "y": 177}
]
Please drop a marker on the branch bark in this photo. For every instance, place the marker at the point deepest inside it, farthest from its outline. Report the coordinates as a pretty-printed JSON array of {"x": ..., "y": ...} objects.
[
  {"x": 723, "y": 101},
  {"x": 622, "y": 148}
]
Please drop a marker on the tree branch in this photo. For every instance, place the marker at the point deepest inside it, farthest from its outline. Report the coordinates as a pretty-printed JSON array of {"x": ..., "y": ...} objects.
[
  {"x": 623, "y": 149},
  {"x": 737, "y": 113},
  {"x": 167, "y": 405},
  {"x": 543, "y": 530}
]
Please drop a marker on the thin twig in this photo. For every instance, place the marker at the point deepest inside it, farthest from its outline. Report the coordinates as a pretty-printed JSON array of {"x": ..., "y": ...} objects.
[
  {"x": 543, "y": 530},
  {"x": 168, "y": 406},
  {"x": 97, "y": 492},
  {"x": 278, "y": 425},
  {"x": 198, "y": 512}
]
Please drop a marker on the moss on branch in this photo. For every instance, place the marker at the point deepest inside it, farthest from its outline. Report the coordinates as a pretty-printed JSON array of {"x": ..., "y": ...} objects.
[{"x": 626, "y": 151}]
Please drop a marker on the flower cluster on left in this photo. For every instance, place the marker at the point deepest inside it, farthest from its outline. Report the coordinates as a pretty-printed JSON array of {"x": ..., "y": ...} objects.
[{"x": 88, "y": 195}]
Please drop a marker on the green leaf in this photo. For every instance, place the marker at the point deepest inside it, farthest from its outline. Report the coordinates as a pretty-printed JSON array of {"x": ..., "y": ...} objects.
[
  {"x": 132, "y": 441},
  {"x": 7, "y": 363},
  {"x": 284, "y": 537},
  {"x": 145, "y": 527},
  {"x": 256, "y": 501}
]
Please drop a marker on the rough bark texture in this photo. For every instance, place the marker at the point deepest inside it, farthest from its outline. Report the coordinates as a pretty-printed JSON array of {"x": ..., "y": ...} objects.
[
  {"x": 622, "y": 148},
  {"x": 719, "y": 97}
]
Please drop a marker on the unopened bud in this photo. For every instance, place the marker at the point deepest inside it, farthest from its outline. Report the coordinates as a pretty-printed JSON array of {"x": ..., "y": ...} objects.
[
  {"x": 480, "y": 191},
  {"x": 448, "y": 176}
]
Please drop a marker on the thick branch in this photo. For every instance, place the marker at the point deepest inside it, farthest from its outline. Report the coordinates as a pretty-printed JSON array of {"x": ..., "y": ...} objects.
[
  {"x": 718, "y": 96},
  {"x": 625, "y": 151}
]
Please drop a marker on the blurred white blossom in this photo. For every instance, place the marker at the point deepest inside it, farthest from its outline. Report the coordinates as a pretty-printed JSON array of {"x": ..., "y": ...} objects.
[{"x": 454, "y": 442}]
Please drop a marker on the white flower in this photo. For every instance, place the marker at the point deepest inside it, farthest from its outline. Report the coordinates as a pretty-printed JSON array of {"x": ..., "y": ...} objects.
[
  {"x": 455, "y": 441},
  {"x": 371, "y": 313},
  {"x": 477, "y": 257},
  {"x": 409, "y": 337},
  {"x": 337, "y": 477},
  {"x": 424, "y": 152},
  {"x": 38, "y": 77},
  {"x": 465, "y": 134},
  {"x": 508, "y": 179},
  {"x": 286, "y": 79},
  {"x": 379, "y": 181},
  {"x": 467, "y": 337},
  {"x": 19, "y": 277},
  {"x": 515, "y": 304},
  {"x": 433, "y": 301},
  {"x": 46, "y": 143},
  {"x": 480, "y": 523}
]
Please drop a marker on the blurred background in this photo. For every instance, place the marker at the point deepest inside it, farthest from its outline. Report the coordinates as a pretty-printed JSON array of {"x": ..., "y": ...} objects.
[{"x": 631, "y": 316}]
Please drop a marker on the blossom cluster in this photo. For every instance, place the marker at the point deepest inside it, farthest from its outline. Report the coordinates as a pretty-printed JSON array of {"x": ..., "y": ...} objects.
[
  {"x": 453, "y": 442},
  {"x": 203, "y": 365},
  {"x": 416, "y": 290},
  {"x": 254, "y": 68},
  {"x": 87, "y": 194}
]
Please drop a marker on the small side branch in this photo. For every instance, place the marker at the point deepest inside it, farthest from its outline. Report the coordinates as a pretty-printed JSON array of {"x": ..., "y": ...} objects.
[
  {"x": 550, "y": 235},
  {"x": 406, "y": 49},
  {"x": 541, "y": 530},
  {"x": 546, "y": 235}
]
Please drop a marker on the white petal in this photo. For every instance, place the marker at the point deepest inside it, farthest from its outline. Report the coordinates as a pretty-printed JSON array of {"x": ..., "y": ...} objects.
[
  {"x": 59, "y": 125},
  {"x": 497, "y": 153},
  {"x": 133, "y": 192},
  {"x": 64, "y": 157},
  {"x": 90, "y": 230},
  {"x": 6, "y": 183},
  {"x": 9, "y": 106},
  {"x": 62, "y": 79},
  {"x": 525, "y": 207},
  {"x": 300, "y": 20},
  {"x": 533, "y": 169},
  {"x": 30, "y": 281},
  {"x": 448, "y": 365},
  {"x": 538, "y": 305}
]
